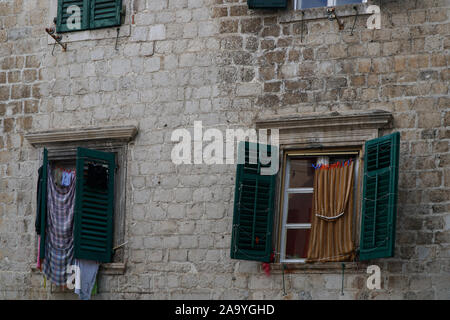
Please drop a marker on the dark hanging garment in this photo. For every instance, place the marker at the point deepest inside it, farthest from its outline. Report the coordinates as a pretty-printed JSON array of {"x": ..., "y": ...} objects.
[
  {"x": 37, "y": 223},
  {"x": 97, "y": 177}
]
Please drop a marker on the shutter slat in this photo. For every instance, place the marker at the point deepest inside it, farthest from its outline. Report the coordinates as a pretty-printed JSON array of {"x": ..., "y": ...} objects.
[
  {"x": 380, "y": 197},
  {"x": 105, "y": 13},
  {"x": 253, "y": 210},
  {"x": 103, "y": 224},
  {"x": 94, "y": 209}
]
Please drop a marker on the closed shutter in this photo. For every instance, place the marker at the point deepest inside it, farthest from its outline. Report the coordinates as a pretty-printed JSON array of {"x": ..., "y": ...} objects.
[
  {"x": 380, "y": 197},
  {"x": 253, "y": 208},
  {"x": 105, "y": 13},
  {"x": 266, "y": 4},
  {"x": 94, "y": 208},
  {"x": 43, "y": 188},
  {"x": 66, "y": 10}
]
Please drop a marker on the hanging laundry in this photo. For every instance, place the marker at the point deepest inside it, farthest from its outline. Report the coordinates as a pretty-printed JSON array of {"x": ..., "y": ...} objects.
[
  {"x": 59, "y": 230},
  {"x": 85, "y": 277},
  {"x": 97, "y": 176},
  {"x": 66, "y": 178},
  {"x": 57, "y": 174}
]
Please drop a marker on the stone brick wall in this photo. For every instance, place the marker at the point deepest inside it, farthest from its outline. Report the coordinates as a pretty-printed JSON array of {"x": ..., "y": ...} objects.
[{"x": 218, "y": 62}]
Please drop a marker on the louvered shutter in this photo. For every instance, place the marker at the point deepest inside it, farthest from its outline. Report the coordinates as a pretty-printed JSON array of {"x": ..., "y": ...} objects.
[
  {"x": 43, "y": 187},
  {"x": 94, "y": 208},
  {"x": 253, "y": 209},
  {"x": 64, "y": 15},
  {"x": 266, "y": 4},
  {"x": 105, "y": 13},
  {"x": 380, "y": 197}
]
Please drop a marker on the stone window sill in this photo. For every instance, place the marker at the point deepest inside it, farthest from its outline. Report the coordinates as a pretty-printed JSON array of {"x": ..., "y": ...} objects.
[
  {"x": 94, "y": 34},
  {"x": 321, "y": 13},
  {"x": 329, "y": 267},
  {"x": 114, "y": 268}
]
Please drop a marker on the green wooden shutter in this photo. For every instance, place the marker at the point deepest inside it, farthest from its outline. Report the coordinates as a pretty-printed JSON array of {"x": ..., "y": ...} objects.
[
  {"x": 63, "y": 15},
  {"x": 380, "y": 197},
  {"x": 105, "y": 13},
  {"x": 94, "y": 209},
  {"x": 253, "y": 209},
  {"x": 43, "y": 186},
  {"x": 266, "y": 4}
]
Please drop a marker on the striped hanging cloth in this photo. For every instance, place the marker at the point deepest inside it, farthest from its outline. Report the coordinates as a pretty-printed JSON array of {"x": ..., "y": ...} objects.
[{"x": 59, "y": 230}]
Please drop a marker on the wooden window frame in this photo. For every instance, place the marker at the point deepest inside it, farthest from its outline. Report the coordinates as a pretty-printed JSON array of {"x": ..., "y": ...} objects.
[{"x": 284, "y": 191}]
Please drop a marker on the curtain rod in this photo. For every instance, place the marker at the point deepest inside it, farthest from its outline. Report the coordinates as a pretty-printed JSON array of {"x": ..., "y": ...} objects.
[{"x": 320, "y": 153}]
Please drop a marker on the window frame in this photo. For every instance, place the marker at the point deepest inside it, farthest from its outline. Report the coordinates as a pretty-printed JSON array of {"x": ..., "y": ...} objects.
[
  {"x": 69, "y": 154},
  {"x": 330, "y": 3},
  {"x": 63, "y": 143},
  {"x": 283, "y": 192},
  {"x": 285, "y": 204},
  {"x": 331, "y": 131}
]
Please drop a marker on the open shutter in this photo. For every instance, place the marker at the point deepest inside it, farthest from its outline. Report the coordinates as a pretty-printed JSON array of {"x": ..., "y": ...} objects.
[
  {"x": 380, "y": 197},
  {"x": 253, "y": 208},
  {"x": 94, "y": 208},
  {"x": 43, "y": 202},
  {"x": 105, "y": 13},
  {"x": 266, "y": 4},
  {"x": 66, "y": 9}
]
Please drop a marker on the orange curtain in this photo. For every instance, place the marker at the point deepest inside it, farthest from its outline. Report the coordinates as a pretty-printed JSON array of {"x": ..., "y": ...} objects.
[{"x": 331, "y": 222}]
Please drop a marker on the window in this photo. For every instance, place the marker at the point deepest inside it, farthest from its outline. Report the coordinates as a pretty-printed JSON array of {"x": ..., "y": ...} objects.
[
  {"x": 62, "y": 147},
  {"x": 76, "y": 15},
  {"x": 297, "y": 200},
  {"x": 327, "y": 233},
  {"x": 306, "y": 4},
  {"x": 94, "y": 206}
]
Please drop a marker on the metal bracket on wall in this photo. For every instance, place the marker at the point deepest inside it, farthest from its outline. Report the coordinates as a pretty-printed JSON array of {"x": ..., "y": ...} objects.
[
  {"x": 58, "y": 38},
  {"x": 331, "y": 12},
  {"x": 356, "y": 17},
  {"x": 117, "y": 38}
]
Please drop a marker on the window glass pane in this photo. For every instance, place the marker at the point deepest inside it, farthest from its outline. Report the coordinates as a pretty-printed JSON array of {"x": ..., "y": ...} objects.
[
  {"x": 304, "y": 4},
  {"x": 302, "y": 173},
  {"x": 297, "y": 241},
  {"x": 342, "y": 2},
  {"x": 299, "y": 207}
]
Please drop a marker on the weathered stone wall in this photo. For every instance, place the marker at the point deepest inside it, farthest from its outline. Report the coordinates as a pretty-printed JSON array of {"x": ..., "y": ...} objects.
[{"x": 218, "y": 62}]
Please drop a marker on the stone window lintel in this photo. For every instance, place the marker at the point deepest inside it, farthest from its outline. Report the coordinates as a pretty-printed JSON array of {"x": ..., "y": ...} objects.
[{"x": 327, "y": 129}]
